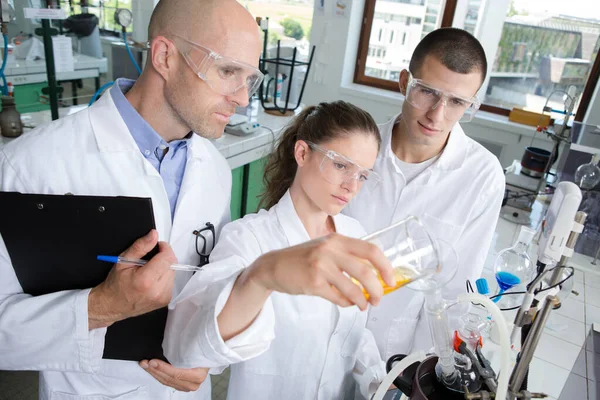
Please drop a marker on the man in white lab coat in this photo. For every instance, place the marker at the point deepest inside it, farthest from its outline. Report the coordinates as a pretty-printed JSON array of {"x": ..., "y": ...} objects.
[
  {"x": 143, "y": 139},
  {"x": 432, "y": 170},
  {"x": 148, "y": 139}
]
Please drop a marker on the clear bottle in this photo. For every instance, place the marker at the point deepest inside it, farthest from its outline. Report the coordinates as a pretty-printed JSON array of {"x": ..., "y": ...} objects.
[
  {"x": 587, "y": 176},
  {"x": 514, "y": 270},
  {"x": 252, "y": 108}
]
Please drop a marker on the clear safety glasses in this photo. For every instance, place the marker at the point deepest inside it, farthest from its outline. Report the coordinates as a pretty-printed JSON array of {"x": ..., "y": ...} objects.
[
  {"x": 223, "y": 74},
  {"x": 425, "y": 97},
  {"x": 337, "y": 169}
]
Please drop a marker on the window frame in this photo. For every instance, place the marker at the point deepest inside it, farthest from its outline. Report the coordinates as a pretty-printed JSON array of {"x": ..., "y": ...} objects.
[{"x": 447, "y": 19}]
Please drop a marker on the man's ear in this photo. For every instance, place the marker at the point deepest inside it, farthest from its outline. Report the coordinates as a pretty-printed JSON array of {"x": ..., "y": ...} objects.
[
  {"x": 162, "y": 55},
  {"x": 403, "y": 81}
]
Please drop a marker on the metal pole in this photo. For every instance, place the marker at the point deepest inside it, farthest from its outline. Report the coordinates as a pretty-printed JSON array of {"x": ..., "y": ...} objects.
[
  {"x": 50, "y": 70},
  {"x": 276, "y": 78},
  {"x": 530, "y": 345},
  {"x": 290, "y": 79}
]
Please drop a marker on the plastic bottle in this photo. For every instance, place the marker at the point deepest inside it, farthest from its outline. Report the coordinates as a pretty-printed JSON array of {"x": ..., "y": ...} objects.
[
  {"x": 252, "y": 108},
  {"x": 279, "y": 86},
  {"x": 514, "y": 270}
]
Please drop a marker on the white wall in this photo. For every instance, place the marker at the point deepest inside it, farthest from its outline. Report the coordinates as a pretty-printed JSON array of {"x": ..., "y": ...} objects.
[
  {"x": 337, "y": 42},
  {"x": 142, "y": 10}
]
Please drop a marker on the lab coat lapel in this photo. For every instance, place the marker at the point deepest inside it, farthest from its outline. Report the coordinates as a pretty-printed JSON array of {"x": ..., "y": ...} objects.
[
  {"x": 290, "y": 222},
  {"x": 113, "y": 136},
  {"x": 192, "y": 188},
  {"x": 194, "y": 205}
]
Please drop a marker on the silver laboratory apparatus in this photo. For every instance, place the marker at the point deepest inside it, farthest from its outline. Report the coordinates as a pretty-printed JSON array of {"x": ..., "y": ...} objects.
[{"x": 467, "y": 374}]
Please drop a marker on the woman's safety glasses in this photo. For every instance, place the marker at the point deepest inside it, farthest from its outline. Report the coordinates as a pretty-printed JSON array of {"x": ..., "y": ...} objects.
[
  {"x": 337, "y": 169},
  {"x": 223, "y": 74},
  {"x": 425, "y": 97}
]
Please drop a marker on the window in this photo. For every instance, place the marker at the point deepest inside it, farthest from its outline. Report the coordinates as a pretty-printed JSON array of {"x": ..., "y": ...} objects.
[
  {"x": 289, "y": 21},
  {"x": 104, "y": 10},
  {"x": 412, "y": 19},
  {"x": 392, "y": 37},
  {"x": 540, "y": 52}
]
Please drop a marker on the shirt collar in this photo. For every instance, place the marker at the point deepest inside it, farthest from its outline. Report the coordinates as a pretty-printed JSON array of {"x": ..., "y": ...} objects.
[
  {"x": 289, "y": 220},
  {"x": 452, "y": 156},
  {"x": 146, "y": 138},
  {"x": 293, "y": 227}
]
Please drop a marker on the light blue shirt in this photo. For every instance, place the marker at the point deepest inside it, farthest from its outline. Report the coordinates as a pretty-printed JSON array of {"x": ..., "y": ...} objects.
[{"x": 168, "y": 158}]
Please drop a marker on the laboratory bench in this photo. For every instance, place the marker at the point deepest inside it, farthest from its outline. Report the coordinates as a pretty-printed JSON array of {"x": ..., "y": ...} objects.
[
  {"x": 246, "y": 155},
  {"x": 29, "y": 78}
]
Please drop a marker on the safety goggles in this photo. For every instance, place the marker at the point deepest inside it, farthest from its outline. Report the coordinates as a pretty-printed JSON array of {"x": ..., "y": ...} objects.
[
  {"x": 223, "y": 74},
  {"x": 337, "y": 169},
  {"x": 424, "y": 97}
]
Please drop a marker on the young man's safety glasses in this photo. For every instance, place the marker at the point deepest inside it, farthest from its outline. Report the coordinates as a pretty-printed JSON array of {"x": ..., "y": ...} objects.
[
  {"x": 425, "y": 97},
  {"x": 224, "y": 75}
]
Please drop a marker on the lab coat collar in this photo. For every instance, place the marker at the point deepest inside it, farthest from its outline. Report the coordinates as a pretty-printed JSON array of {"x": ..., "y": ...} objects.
[
  {"x": 109, "y": 130},
  {"x": 293, "y": 227},
  {"x": 453, "y": 155}
]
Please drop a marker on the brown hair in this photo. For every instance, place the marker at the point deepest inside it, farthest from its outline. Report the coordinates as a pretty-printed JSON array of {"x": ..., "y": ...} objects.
[
  {"x": 456, "y": 49},
  {"x": 316, "y": 124}
]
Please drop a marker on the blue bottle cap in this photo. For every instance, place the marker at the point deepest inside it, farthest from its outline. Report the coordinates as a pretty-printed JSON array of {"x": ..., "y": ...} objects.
[{"x": 482, "y": 286}]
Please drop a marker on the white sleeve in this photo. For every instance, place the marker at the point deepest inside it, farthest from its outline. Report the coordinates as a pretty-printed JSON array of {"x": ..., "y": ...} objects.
[
  {"x": 192, "y": 337},
  {"x": 47, "y": 332},
  {"x": 369, "y": 369},
  {"x": 472, "y": 250}
]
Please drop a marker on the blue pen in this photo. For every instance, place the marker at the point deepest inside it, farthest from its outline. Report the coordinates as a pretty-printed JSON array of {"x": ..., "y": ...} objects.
[{"x": 122, "y": 260}]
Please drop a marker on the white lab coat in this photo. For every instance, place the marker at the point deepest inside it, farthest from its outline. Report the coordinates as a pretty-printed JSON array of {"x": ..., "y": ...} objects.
[
  {"x": 458, "y": 199},
  {"x": 92, "y": 153},
  {"x": 319, "y": 351}
]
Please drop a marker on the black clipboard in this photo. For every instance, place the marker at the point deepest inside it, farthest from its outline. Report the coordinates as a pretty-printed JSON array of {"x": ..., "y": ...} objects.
[{"x": 53, "y": 242}]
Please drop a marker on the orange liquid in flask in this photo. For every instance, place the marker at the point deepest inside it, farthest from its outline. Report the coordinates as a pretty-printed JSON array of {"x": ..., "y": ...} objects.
[{"x": 402, "y": 275}]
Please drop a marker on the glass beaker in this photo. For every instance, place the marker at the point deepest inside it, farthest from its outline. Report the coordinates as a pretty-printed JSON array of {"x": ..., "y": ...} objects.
[{"x": 414, "y": 255}]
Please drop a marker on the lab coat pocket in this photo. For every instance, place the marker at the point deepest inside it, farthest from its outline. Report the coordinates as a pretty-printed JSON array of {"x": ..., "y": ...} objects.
[
  {"x": 402, "y": 326},
  {"x": 441, "y": 229},
  {"x": 137, "y": 394},
  {"x": 401, "y": 336},
  {"x": 353, "y": 334}
]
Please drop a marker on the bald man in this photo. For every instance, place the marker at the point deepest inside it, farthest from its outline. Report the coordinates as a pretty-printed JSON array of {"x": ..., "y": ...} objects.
[{"x": 143, "y": 139}]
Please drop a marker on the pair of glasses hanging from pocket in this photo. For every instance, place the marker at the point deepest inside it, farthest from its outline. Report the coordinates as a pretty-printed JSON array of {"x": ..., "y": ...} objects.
[{"x": 205, "y": 242}]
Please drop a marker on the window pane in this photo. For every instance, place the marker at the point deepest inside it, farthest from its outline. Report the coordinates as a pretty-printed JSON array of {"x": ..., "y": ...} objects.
[
  {"x": 541, "y": 50},
  {"x": 408, "y": 20},
  {"x": 289, "y": 22},
  {"x": 105, "y": 11}
]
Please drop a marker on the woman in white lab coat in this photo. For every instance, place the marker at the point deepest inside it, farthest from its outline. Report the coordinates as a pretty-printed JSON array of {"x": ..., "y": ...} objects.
[{"x": 319, "y": 350}]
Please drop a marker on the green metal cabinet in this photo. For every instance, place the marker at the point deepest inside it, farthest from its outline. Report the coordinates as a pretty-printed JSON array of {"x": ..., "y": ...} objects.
[
  {"x": 27, "y": 97},
  {"x": 250, "y": 195},
  {"x": 237, "y": 184},
  {"x": 255, "y": 185}
]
